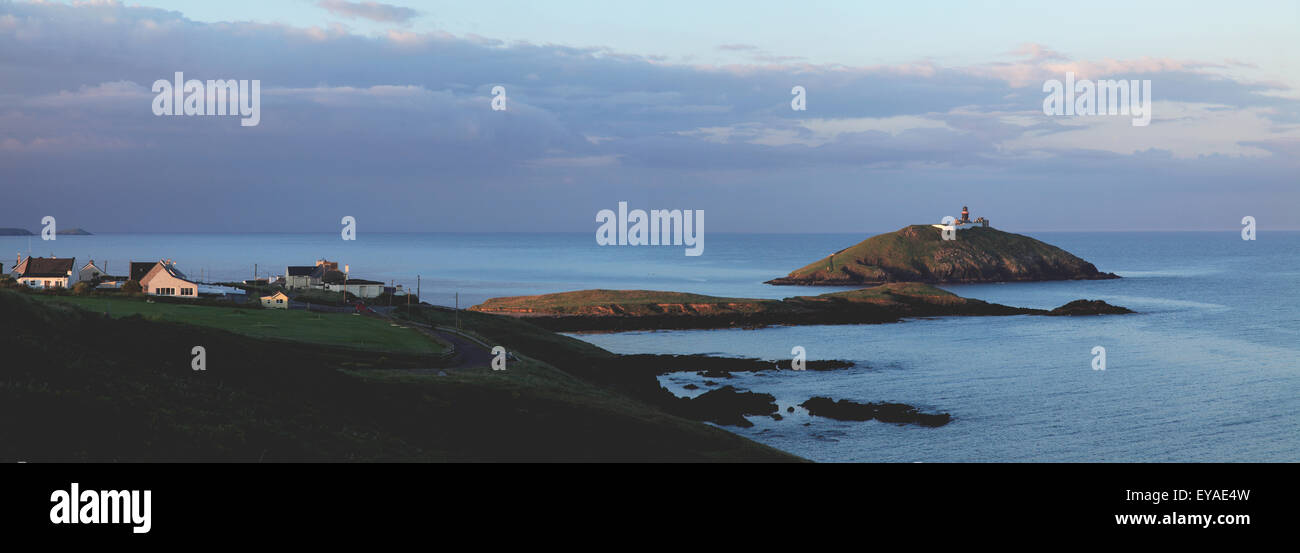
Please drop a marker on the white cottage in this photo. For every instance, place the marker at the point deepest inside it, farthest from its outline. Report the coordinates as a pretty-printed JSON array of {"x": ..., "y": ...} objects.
[
  {"x": 89, "y": 272},
  {"x": 45, "y": 272}
]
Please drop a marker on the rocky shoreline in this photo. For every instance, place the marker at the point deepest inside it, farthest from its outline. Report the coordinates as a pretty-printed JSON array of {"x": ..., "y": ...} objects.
[{"x": 727, "y": 405}]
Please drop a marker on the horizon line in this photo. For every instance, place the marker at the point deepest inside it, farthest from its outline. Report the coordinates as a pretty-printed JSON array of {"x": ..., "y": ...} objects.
[{"x": 1075, "y": 230}]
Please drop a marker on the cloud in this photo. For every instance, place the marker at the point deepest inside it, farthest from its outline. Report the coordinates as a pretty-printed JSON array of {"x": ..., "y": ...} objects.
[
  {"x": 374, "y": 11},
  {"x": 1037, "y": 52},
  {"x": 401, "y": 122},
  {"x": 103, "y": 94},
  {"x": 578, "y": 161},
  {"x": 1184, "y": 130}
]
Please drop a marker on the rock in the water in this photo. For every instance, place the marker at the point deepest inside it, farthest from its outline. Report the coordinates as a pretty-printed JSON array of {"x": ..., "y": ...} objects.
[
  {"x": 1089, "y": 307},
  {"x": 728, "y": 406},
  {"x": 898, "y": 413}
]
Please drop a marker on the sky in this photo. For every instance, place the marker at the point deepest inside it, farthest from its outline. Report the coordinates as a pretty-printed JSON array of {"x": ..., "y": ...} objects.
[{"x": 383, "y": 112}]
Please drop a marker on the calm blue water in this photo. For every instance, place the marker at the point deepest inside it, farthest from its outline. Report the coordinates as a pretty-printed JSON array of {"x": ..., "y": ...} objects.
[{"x": 1208, "y": 371}]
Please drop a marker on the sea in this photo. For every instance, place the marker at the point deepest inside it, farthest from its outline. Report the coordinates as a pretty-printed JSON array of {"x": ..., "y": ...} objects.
[{"x": 1207, "y": 370}]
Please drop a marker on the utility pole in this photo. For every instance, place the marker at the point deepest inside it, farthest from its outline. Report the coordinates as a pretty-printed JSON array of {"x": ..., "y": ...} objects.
[
  {"x": 457, "y": 310},
  {"x": 417, "y": 290}
]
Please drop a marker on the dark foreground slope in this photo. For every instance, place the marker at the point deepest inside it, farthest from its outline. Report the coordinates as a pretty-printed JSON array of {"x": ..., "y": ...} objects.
[
  {"x": 75, "y": 385},
  {"x": 918, "y": 253},
  {"x": 616, "y": 310}
]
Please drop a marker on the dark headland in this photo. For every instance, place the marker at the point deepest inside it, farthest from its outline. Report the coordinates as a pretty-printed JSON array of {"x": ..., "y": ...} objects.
[
  {"x": 918, "y": 253},
  {"x": 25, "y": 232},
  {"x": 621, "y": 310}
]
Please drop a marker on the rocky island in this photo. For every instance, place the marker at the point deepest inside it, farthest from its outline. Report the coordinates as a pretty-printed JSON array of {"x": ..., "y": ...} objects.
[
  {"x": 25, "y": 232},
  {"x": 918, "y": 253},
  {"x": 622, "y": 310}
]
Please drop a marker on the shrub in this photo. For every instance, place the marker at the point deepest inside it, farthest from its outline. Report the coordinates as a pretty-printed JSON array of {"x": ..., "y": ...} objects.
[
  {"x": 132, "y": 287},
  {"x": 82, "y": 289}
]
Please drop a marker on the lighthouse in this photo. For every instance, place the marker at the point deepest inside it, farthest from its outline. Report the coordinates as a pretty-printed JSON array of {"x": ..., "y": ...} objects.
[{"x": 964, "y": 221}]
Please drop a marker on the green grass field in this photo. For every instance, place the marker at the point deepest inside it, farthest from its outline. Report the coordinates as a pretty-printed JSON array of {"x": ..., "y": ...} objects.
[{"x": 335, "y": 329}]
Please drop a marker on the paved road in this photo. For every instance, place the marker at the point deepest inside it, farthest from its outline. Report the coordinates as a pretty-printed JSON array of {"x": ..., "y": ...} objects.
[{"x": 469, "y": 353}]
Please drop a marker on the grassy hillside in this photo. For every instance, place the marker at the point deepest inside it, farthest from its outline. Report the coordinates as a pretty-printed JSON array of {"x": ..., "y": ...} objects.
[
  {"x": 918, "y": 253},
  {"x": 281, "y": 324},
  {"x": 76, "y": 385}
]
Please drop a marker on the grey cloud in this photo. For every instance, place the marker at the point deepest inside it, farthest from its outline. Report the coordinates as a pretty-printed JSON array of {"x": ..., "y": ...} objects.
[{"x": 400, "y": 127}]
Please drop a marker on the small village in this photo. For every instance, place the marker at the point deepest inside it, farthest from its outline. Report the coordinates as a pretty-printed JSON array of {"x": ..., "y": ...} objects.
[{"x": 319, "y": 286}]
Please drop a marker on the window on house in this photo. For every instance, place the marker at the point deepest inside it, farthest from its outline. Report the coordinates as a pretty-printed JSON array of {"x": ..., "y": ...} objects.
[
  {"x": 279, "y": 301},
  {"x": 187, "y": 291}
]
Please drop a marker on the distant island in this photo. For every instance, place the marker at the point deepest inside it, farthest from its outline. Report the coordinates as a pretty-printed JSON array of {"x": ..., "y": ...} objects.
[
  {"x": 918, "y": 253},
  {"x": 621, "y": 310},
  {"x": 25, "y": 232}
]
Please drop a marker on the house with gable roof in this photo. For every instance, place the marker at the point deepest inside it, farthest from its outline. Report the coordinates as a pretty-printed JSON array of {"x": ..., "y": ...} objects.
[
  {"x": 46, "y": 272},
  {"x": 165, "y": 279}
]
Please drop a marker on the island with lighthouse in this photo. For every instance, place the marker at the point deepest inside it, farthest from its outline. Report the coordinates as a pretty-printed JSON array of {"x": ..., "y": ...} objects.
[{"x": 897, "y": 272}]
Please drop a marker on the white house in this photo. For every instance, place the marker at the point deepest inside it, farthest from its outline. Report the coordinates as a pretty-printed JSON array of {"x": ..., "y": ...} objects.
[
  {"x": 300, "y": 277},
  {"x": 164, "y": 279},
  {"x": 359, "y": 288},
  {"x": 45, "y": 272},
  {"x": 89, "y": 272},
  {"x": 297, "y": 277}
]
